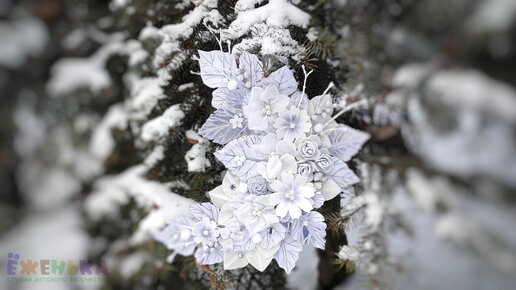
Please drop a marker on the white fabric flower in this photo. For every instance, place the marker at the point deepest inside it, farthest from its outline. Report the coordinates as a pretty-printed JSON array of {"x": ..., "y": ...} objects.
[
  {"x": 205, "y": 231},
  {"x": 291, "y": 195},
  {"x": 256, "y": 213},
  {"x": 263, "y": 106},
  {"x": 230, "y": 188},
  {"x": 281, "y": 158},
  {"x": 292, "y": 124},
  {"x": 236, "y": 122}
]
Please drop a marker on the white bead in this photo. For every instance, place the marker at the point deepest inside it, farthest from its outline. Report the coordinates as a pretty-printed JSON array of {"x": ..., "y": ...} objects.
[
  {"x": 185, "y": 234},
  {"x": 318, "y": 128},
  {"x": 257, "y": 239},
  {"x": 232, "y": 84},
  {"x": 206, "y": 232}
]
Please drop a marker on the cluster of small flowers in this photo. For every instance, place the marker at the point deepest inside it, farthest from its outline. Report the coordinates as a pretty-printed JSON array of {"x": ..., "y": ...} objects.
[{"x": 285, "y": 156}]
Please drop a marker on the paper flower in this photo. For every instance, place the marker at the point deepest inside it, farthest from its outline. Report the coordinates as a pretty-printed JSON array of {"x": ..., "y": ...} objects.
[
  {"x": 292, "y": 124},
  {"x": 264, "y": 104},
  {"x": 285, "y": 156},
  {"x": 291, "y": 195}
]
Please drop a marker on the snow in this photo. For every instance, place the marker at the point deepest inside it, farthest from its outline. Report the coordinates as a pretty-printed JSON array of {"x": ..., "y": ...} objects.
[
  {"x": 70, "y": 74},
  {"x": 101, "y": 142},
  {"x": 157, "y": 154},
  {"x": 493, "y": 16},
  {"x": 132, "y": 264},
  {"x": 111, "y": 192},
  {"x": 23, "y": 37},
  {"x": 149, "y": 32},
  {"x": 55, "y": 234},
  {"x": 473, "y": 90},
  {"x": 145, "y": 94},
  {"x": 158, "y": 127},
  {"x": 267, "y": 25},
  {"x": 137, "y": 54},
  {"x": 478, "y": 138},
  {"x": 196, "y": 157},
  {"x": 312, "y": 34},
  {"x": 169, "y": 54}
]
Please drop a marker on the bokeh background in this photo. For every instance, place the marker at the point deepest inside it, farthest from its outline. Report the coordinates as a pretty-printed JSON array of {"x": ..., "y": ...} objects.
[{"x": 81, "y": 177}]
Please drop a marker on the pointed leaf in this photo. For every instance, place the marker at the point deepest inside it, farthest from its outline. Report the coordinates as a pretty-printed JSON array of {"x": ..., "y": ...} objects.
[
  {"x": 346, "y": 142},
  {"x": 219, "y": 197},
  {"x": 341, "y": 174},
  {"x": 251, "y": 65},
  {"x": 215, "y": 66},
  {"x": 284, "y": 79},
  {"x": 288, "y": 254},
  {"x": 205, "y": 209},
  {"x": 234, "y": 260},
  {"x": 231, "y": 100},
  {"x": 243, "y": 149},
  {"x": 260, "y": 258},
  {"x": 219, "y": 129},
  {"x": 330, "y": 189}
]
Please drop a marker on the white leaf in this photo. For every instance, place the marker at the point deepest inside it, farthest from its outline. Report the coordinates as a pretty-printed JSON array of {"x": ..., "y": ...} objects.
[
  {"x": 219, "y": 197},
  {"x": 330, "y": 189},
  {"x": 346, "y": 142},
  {"x": 250, "y": 64},
  {"x": 260, "y": 258},
  {"x": 321, "y": 104},
  {"x": 231, "y": 100},
  {"x": 233, "y": 261},
  {"x": 342, "y": 175},
  {"x": 215, "y": 66},
  {"x": 284, "y": 79},
  {"x": 231, "y": 155},
  {"x": 288, "y": 254},
  {"x": 219, "y": 129},
  {"x": 225, "y": 214}
]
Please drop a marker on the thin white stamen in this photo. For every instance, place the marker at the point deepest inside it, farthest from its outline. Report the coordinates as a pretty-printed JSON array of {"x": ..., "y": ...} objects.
[
  {"x": 304, "y": 84},
  {"x": 346, "y": 109}
]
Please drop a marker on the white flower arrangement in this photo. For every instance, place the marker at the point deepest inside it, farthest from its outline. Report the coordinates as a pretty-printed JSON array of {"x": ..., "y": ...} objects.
[{"x": 285, "y": 156}]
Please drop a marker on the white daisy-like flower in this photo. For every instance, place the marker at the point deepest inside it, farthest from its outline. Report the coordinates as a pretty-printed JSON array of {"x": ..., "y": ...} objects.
[
  {"x": 263, "y": 106},
  {"x": 292, "y": 124},
  {"x": 256, "y": 213},
  {"x": 291, "y": 195},
  {"x": 205, "y": 231},
  {"x": 236, "y": 122}
]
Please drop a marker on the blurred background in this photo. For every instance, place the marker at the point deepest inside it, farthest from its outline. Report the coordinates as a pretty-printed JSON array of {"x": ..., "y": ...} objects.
[{"x": 91, "y": 165}]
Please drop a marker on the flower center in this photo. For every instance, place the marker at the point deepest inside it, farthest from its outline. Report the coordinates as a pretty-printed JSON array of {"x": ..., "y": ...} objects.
[
  {"x": 292, "y": 125},
  {"x": 290, "y": 195},
  {"x": 206, "y": 232},
  {"x": 256, "y": 212}
]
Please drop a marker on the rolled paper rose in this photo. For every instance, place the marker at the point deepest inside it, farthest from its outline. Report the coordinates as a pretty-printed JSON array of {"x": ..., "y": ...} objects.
[
  {"x": 324, "y": 163},
  {"x": 308, "y": 149},
  {"x": 306, "y": 169},
  {"x": 257, "y": 185}
]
